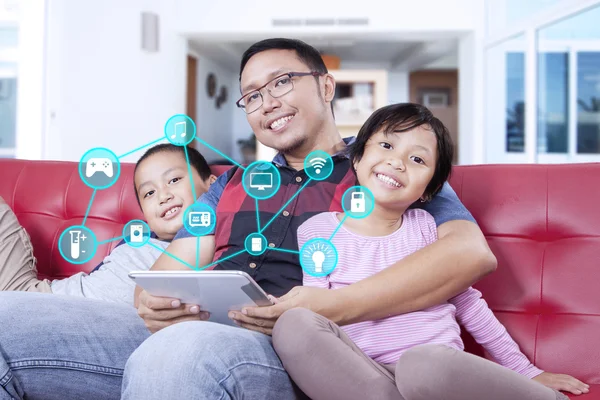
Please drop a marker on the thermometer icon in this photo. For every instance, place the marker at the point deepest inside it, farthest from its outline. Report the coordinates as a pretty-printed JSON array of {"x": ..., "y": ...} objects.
[{"x": 75, "y": 244}]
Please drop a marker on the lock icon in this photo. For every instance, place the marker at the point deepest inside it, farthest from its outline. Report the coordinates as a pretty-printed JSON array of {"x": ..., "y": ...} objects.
[{"x": 357, "y": 204}]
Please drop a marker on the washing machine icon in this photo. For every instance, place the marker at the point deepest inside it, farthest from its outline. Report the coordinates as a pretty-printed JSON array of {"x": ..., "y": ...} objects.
[{"x": 357, "y": 203}]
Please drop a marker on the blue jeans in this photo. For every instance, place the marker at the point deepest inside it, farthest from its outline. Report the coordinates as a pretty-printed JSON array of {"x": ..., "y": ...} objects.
[{"x": 55, "y": 347}]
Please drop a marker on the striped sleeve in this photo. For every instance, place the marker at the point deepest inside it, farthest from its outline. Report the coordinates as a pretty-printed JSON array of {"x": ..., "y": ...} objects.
[
  {"x": 308, "y": 280},
  {"x": 427, "y": 225},
  {"x": 474, "y": 314}
]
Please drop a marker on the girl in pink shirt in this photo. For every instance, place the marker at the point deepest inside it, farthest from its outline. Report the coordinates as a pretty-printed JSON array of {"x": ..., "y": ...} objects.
[{"x": 402, "y": 155}]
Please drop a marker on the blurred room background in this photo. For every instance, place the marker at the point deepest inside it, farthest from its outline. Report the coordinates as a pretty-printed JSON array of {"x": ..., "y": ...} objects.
[{"x": 516, "y": 81}]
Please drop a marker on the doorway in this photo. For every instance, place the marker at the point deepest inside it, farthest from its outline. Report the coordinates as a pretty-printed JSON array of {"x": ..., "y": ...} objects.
[
  {"x": 438, "y": 91},
  {"x": 192, "y": 74}
]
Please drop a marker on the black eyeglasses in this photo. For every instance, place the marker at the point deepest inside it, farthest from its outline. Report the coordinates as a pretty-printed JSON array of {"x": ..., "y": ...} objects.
[{"x": 277, "y": 87}]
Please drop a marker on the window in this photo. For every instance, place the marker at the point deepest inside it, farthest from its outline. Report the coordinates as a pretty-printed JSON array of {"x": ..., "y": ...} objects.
[
  {"x": 8, "y": 90},
  {"x": 505, "y": 104},
  {"x": 8, "y": 113},
  {"x": 569, "y": 87},
  {"x": 588, "y": 102},
  {"x": 515, "y": 102},
  {"x": 553, "y": 93}
]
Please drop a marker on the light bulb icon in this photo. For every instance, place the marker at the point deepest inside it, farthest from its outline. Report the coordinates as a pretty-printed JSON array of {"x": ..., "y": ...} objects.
[{"x": 318, "y": 258}]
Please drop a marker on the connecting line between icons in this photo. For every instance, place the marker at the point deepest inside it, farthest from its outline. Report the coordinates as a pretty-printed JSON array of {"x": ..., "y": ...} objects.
[
  {"x": 141, "y": 147},
  {"x": 223, "y": 259},
  {"x": 187, "y": 159},
  {"x": 284, "y": 250},
  {"x": 110, "y": 240},
  {"x": 219, "y": 153},
  {"x": 285, "y": 205},
  {"x": 171, "y": 255},
  {"x": 338, "y": 227},
  {"x": 260, "y": 229},
  {"x": 197, "y": 251},
  {"x": 257, "y": 216},
  {"x": 89, "y": 207}
]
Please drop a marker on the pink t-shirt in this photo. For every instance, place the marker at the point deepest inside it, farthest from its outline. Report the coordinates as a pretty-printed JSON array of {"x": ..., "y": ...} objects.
[{"x": 385, "y": 340}]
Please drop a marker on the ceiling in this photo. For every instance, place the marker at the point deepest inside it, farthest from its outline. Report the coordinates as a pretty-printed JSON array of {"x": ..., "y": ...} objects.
[{"x": 391, "y": 54}]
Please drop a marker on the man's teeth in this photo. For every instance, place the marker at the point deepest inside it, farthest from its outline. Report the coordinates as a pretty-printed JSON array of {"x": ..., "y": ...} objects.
[
  {"x": 388, "y": 180},
  {"x": 171, "y": 211},
  {"x": 281, "y": 121}
]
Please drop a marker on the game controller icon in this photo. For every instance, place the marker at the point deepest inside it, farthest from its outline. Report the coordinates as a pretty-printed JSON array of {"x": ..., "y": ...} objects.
[{"x": 94, "y": 165}]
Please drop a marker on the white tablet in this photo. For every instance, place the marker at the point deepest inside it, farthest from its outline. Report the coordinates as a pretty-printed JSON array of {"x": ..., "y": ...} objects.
[{"x": 217, "y": 292}]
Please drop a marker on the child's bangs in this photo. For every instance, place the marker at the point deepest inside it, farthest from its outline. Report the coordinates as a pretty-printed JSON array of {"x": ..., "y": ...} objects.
[{"x": 401, "y": 123}]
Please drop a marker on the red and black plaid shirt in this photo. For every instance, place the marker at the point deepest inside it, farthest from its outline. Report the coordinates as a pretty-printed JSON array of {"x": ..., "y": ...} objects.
[{"x": 275, "y": 271}]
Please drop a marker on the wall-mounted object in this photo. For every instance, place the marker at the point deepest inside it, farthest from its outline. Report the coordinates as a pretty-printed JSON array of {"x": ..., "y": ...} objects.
[
  {"x": 222, "y": 98},
  {"x": 150, "y": 31},
  {"x": 223, "y": 94},
  {"x": 435, "y": 97},
  {"x": 211, "y": 85}
]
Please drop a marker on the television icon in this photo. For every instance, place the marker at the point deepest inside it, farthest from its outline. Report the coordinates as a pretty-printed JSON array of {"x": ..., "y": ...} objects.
[{"x": 261, "y": 180}]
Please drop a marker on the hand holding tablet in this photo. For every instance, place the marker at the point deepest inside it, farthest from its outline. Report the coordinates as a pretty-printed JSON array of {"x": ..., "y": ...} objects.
[{"x": 216, "y": 292}]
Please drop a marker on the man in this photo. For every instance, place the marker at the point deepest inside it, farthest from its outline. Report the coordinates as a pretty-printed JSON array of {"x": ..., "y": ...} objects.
[{"x": 186, "y": 358}]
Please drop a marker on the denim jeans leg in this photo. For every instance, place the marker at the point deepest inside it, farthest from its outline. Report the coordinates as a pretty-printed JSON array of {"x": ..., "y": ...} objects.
[
  {"x": 204, "y": 360},
  {"x": 58, "y": 347}
]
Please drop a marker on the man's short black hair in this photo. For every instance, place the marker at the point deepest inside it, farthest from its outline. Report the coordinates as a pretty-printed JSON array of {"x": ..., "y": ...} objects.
[
  {"x": 305, "y": 52},
  {"x": 197, "y": 161},
  {"x": 403, "y": 117}
]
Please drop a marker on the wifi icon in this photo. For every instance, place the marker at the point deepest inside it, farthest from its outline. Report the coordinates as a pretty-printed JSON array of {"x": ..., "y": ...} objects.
[{"x": 318, "y": 163}]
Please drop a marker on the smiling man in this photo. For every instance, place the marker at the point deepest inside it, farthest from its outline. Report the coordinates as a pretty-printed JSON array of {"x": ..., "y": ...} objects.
[{"x": 286, "y": 93}]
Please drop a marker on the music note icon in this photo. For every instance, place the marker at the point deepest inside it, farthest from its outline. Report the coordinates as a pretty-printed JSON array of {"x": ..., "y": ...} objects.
[{"x": 180, "y": 127}]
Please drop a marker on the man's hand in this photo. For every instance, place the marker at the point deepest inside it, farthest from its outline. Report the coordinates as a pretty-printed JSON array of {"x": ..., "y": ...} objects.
[
  {"x": 262, "y": 319},
  {"x": 160, "y": 312},
  {"x": 562, "y": 382}
]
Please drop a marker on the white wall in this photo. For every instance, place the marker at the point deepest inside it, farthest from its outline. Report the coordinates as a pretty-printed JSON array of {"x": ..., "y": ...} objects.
[
  {"x": 233, "y": 16},
  {"x": 471, "y": 100},
  {"x": 31, "y": 65},
  {"x": 240, "y": 127},
  {"x": 398, "y": 87},
  {"x": 215, "y": 126},
  {"x": 103, "y": 90}
]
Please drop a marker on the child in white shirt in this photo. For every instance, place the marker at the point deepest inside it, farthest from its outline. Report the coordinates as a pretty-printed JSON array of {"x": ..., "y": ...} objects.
[{"x": 163, "y": 191}]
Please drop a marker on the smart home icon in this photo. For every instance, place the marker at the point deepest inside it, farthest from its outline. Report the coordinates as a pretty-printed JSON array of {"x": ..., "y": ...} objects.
[
  {"x": 318, "y": 165},
  {"x": 261, "y": 180}
]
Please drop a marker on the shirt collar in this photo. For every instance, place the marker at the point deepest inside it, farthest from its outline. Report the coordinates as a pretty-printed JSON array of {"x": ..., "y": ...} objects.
[{"x": 280, "y": 160}]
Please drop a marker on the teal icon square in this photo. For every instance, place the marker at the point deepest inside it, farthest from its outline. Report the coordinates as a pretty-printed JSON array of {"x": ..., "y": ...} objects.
[
  {"x": 318, "y": 257},
  {"x": 77, "y": 244},
  {"x": 136, "y": 233},
  {"x": 99, "y": 168},
  {"x": 180, "y": 130},
  {"x": 318, "y": 165},
  {"x": 261, "y": 180},
  {"x": 255, "y": 244},
  {"x": 199, "y": 219},
  {"x": 358, "y": 202}
]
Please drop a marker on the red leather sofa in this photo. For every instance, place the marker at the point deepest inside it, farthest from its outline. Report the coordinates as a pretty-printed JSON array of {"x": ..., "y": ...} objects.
[{"x": 542, "y": 223}]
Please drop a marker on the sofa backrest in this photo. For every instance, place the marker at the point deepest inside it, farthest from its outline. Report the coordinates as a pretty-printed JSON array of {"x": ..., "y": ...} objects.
[
  {"x": 542, "y": 223},
  {"x": 49, "y": 196}
]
